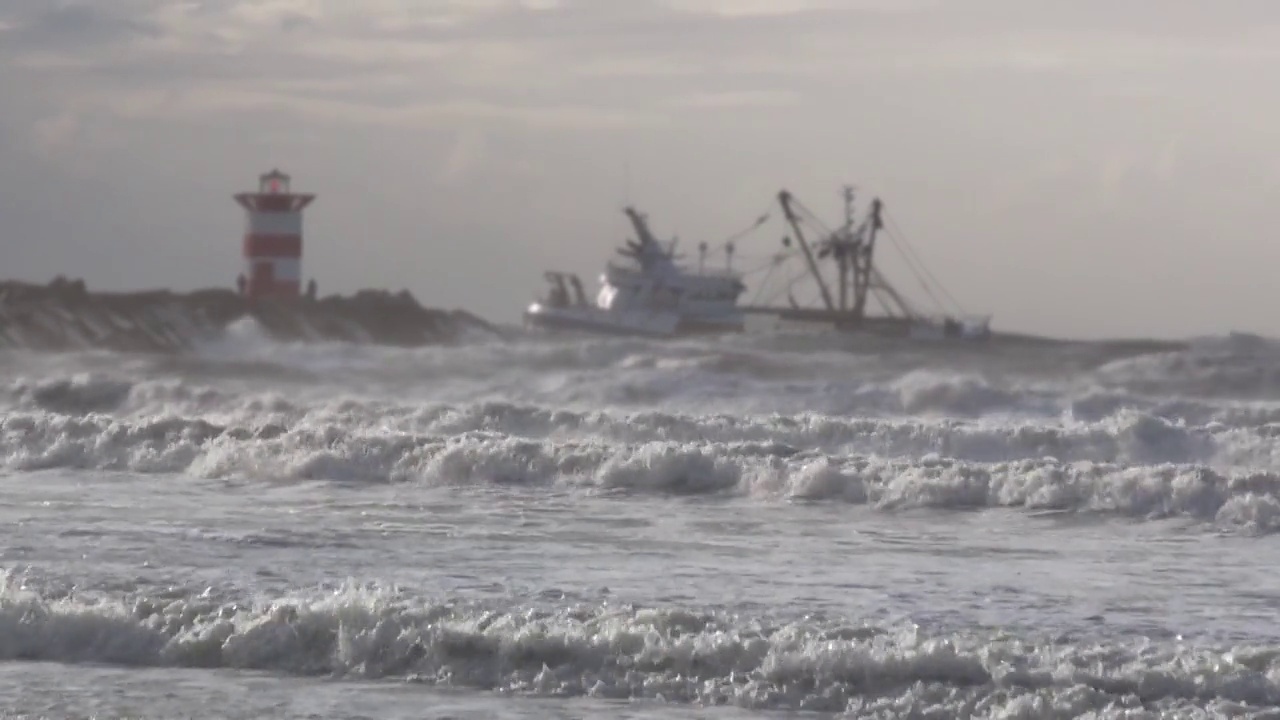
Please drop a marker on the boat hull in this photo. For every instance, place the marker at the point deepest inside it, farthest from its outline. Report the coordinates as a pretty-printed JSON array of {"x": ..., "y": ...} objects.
[
  {"x": 597, "y": 321},
  {"x": 970, "y": 329}
]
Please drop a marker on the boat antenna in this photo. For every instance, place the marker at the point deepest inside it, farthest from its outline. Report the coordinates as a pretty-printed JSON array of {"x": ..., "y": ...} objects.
[{"x": 626, "y": 180}]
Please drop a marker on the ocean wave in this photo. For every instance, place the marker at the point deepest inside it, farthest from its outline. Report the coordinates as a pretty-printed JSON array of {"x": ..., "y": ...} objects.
[
  {"x": 927, "y": 395},
  {"x": 686, "y": 418},
  {"x": 1143, "y": 467},
  {"x": 595, "y": 648},
  {"x": 1199, "y": 385}
]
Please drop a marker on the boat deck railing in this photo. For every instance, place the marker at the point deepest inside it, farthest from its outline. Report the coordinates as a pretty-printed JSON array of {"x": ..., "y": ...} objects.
[{"x": 680, "y": 271}]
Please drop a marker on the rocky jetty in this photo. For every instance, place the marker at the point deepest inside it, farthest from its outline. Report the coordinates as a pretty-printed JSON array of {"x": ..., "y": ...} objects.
[{"x": 65, "y": 315}]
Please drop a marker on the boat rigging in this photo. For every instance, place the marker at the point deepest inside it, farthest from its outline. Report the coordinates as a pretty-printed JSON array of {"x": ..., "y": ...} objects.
[
  {"x": 653, "y": 295},
  {"x": 851, "y": 248}
]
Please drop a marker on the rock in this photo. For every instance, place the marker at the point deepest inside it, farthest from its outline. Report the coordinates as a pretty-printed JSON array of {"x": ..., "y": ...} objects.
[{"x": 64, "y": 315}]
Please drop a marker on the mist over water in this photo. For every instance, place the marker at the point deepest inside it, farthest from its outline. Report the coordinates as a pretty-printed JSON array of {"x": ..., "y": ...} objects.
[{"x": 783, "y": 522}]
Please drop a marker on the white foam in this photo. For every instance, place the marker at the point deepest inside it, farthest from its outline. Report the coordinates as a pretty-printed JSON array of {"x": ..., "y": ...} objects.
[
  {"x": 673, "y": 654},
  {"x": 884, "y": 464}
]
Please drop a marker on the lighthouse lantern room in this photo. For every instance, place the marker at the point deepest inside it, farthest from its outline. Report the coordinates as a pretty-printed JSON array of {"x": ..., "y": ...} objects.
[{"x": 272, "y": 237}]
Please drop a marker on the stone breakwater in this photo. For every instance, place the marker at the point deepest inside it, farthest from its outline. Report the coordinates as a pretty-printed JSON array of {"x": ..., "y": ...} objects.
[{"x": 64, "y": 315}]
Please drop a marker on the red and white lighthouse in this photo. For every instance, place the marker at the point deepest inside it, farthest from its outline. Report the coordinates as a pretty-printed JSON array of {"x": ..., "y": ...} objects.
[{"x": 273, "y": 237}]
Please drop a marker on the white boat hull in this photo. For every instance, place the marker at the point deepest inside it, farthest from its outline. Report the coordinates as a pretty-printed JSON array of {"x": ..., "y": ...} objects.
[
  {"x": 598, "y": 321},
  {"x": 651, "y": 296}
]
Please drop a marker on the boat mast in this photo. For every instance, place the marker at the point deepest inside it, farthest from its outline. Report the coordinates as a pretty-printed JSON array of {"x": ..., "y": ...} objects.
[
  {"x": 646, "y": 249},
  {"x": 843, "y": 246},
  {"x": 854, "y": 249},
  {"x": 862, "y": 257},
  {"x": 784, "y": 198},
  {"x": 641, "y": 227}
]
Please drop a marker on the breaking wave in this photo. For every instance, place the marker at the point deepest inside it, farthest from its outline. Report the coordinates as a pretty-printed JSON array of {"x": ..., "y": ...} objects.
[
  {"x": 1152, "y": 434},
  {"x": 1099, "y": 430},
  {"x": 1205, "y": 461},
  {"x": 572, "y": 647}
]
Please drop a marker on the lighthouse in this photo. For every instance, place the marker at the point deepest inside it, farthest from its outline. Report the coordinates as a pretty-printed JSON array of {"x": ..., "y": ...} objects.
[{"x": 272, "y": 237}]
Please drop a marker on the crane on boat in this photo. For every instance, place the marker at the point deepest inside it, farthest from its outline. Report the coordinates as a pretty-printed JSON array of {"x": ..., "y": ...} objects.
[{"x": 851, "y": 248}]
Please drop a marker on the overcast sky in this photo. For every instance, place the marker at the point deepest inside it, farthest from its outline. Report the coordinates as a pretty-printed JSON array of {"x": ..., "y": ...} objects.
[{"x": 1086, "y": 168}]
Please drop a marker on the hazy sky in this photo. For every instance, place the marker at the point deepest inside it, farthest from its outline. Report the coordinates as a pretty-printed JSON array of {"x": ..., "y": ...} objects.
[{"x": 1092, "y": 167}]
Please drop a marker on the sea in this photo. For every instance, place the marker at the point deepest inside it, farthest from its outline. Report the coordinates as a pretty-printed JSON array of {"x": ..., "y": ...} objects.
[{"x": 768, "y": 525}]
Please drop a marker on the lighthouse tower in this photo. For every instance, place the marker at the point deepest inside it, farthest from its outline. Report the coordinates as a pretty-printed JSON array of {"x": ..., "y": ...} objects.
[{"x": 273, "y": 237}]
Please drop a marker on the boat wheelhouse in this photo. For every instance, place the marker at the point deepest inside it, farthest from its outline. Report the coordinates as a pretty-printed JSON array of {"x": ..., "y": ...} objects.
[{"x": 648, "y": 293}]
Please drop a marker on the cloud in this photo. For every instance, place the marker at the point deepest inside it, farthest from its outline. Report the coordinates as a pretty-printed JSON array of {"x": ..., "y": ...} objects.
[
  {"x": 970, "y": 111},
  {"x": 308, "y": 56},
  {"x": 736, "y": 99},
  {"x": 574, "y": 65},
  {"x": 56, "y": 133},
  {"x": 777, "y": 8},
  {"x": 603, "y": 63},
  {"x": 77, "y": 25},
  {"x": 467, "y": 154}
]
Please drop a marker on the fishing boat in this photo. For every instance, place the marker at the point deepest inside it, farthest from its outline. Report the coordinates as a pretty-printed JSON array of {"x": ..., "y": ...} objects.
[
  {"x": 647, "y": 294},
  {"x": 851, "y": 249}
]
